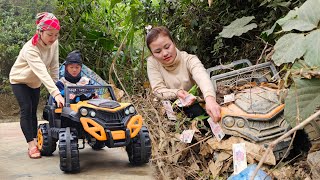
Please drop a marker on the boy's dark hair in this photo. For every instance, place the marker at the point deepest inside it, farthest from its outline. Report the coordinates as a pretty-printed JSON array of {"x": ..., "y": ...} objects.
[
  {"x": 154, "y": 33},
  {"x": 74, "y": 57}
]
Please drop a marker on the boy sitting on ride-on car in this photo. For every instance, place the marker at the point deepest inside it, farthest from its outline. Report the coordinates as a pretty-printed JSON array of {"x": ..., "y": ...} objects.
[{"x": 72, "y": 77}]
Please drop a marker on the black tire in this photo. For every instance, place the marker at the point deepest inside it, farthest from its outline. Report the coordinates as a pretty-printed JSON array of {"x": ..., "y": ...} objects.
[
  {"x": 312, "y": 129},
  {"x": 68, "y": 150},
  {"x": 46, "y": 144},
  {"x": 96, "y": 145},
  {"x": 139, "y": 149}
]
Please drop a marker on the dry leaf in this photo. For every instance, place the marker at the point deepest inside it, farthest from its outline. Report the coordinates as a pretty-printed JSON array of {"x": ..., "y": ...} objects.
[
  {"x": 205, "y": 149},
  {"x": 222, "y": 156},
  {"x": 176, "y": 147},
  {"x": 215, "y": 168},
  {"x": 269, "y": 85},
  {"x": 210, "y": 2},
  {"x": 194, "y": 166},
  {"x": 226, "y": 165},
  {"x": 118, "y": 92},
  {"x": 224, "y": 144},
  {"x": 254, "y": 151},
  {"x": 194, "y": 126}
]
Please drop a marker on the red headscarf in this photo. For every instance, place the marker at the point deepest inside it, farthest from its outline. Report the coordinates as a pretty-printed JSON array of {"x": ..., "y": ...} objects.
[{"x": 45, "y": 21}]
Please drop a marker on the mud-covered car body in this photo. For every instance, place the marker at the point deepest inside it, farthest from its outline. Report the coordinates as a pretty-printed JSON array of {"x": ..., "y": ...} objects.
[
  {"x": 255, "y": 111},
  {"x": 100, "y": 122}
]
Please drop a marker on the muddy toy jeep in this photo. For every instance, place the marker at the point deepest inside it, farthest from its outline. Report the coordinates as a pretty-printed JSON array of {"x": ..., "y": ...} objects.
[
  {"x": 100, "y": 122},
  {"x": 251, "y": 103}
]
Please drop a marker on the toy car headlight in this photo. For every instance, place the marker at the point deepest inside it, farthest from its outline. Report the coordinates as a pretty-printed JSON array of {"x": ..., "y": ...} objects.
[
  {"x": 240, "y": 123},
  {"x": 127, "y": 112},
  {"x": 228, "y": 121},
  {"x": 132, "y": 110},
  {"x": 83, "y": 111},
  {"x": 92, "y": 113}
]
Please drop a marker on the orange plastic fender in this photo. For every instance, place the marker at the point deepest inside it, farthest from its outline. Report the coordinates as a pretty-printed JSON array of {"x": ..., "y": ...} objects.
[
  {"x": 96, "y": 130},
  {"x": 135, "y": 124}
]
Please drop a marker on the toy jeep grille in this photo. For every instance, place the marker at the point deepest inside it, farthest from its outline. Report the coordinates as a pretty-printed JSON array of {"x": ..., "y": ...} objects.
[
  {"x": 264, "y": 72},
  {"x": 112, "y": 121}
]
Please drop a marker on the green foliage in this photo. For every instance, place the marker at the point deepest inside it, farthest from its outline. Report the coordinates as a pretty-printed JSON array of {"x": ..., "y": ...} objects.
[
  {"x": 196, "y": 27},
  {"x": 17, "y": 26},
  {"x": 299, "y": 40},
  {"x": 312, "y": 55},
  {"x": 238, "y": 27},
  {"x": 302, "y": 100},
  {"x": 97, "y": 28},
  {"x": 304, "y": 18},
  {"x": 297, "y": 45},
  {"x": 289, "y": 48}
]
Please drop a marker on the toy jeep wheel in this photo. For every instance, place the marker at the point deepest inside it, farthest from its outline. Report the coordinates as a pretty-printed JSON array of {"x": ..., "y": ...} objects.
[
  {"x": 312, "y": 129},
  {"x": 68, "y": 150},
  {"x": 96, "y": 145},
  {"x": 139, "y": 149},
  {"x": 46, "y": 144}
]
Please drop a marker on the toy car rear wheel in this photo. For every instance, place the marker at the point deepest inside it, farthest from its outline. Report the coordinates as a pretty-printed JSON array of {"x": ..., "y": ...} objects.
[
  {"x": 312, "y": 129},
  {"x": 46, "y": 144},
  {"x": 68, "y": 150},
  {"x": 139, "y": 149},
  {"x": 96, "y": 145}
]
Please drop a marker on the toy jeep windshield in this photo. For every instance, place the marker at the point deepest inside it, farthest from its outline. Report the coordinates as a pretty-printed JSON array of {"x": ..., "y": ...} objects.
[
  {"x": 100, "y": 122},
  {"x": 251, "y": 105}
]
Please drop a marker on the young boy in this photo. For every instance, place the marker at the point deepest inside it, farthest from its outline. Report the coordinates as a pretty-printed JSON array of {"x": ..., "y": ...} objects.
[{"x": 72, "y": 76}]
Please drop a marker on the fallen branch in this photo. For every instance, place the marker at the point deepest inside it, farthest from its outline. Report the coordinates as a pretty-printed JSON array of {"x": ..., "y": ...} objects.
[{"x": 275, "y": 142}]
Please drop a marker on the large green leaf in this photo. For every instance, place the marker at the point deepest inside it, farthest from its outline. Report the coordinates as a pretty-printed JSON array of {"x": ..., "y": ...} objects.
[
  {"x": 304, "y": 18},
  {"x": 304, "y": 95},
  {"x": 289, "y": 48},
  {"x": 312, "y": 56},
  {"x": 238, "y": 27}
]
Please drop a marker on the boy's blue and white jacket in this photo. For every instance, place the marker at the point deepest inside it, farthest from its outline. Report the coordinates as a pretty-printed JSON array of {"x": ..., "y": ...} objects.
[{"x": 82, "y": 82}]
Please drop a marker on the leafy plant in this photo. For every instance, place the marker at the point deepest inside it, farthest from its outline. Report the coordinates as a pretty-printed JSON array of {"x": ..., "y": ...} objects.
[
  {"x": 304, "y": 43},
  {"x": 300, "y": 40},
  {"x": 17, "y": 25},
  {"x": 238, "y": 27},
  {"x": 302, "y": 100}
]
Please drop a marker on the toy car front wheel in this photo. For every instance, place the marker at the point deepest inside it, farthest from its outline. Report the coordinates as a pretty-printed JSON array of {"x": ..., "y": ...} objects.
[
  {"x": 68, "y": 150},
  {"x": 46, "y": 144},
  {"x": 139, "y": 149}
]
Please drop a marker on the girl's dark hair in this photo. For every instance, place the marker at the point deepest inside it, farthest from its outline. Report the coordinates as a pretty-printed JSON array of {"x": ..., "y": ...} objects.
[{"x": 154, "y": 33}]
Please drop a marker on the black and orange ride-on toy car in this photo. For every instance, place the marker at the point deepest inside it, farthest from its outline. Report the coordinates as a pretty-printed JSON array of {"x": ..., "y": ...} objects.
[{"x": 100, "y": 122}]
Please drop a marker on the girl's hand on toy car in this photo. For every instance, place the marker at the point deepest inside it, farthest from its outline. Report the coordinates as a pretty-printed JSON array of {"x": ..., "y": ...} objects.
[
  {"x": 60, "y": 100},
  {"x": 213, "y": 109}
]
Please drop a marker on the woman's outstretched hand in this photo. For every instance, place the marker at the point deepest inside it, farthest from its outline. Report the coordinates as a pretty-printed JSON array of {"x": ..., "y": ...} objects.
[
  {"x": 186, "y": 97},
  {"x": 60, "y": 100},
  {"x": 213, "y": 108}
]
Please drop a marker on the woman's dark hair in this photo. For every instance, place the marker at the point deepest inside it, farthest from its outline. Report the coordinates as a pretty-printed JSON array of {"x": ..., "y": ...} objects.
[{"x": 154, "y": 33}]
